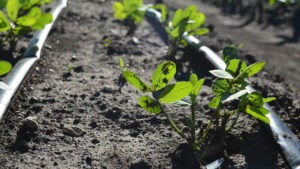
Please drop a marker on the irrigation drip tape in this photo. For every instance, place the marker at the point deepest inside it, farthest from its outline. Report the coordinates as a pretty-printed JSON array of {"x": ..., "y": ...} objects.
[
  {"x": 283, "y": 136},
  {"x": 20, "y": 70}
]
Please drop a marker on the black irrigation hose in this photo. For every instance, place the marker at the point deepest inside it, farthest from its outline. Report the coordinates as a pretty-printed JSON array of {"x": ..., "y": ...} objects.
[
  {"x": 19, "y": 71},
  {"x": 283, "y": 136}
]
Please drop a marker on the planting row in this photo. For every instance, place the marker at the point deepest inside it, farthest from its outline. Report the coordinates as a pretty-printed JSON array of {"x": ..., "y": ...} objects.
[{"x": 232, "y": 94}]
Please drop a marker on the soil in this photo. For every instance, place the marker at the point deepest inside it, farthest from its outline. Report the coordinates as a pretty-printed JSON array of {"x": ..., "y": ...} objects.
[{"x": 83, "y": 119}]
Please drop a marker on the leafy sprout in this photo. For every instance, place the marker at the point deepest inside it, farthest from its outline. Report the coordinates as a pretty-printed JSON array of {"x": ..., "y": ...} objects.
[
  {"x": 231, "y": 98},
  {"x": 188, "y": 21},
  {"x": 129, "y": 10},
  {"x": 21, "y": 17}
]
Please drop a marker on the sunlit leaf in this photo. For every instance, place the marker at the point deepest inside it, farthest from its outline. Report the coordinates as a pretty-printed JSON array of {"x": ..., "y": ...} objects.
[
  {"x": 269, "y": 99},
  {"x": 175, "y": 92},
  {"x": 163, "y": 74},
  {"x": 258, "y": 115},
  {"x": 251, "y": 70},
  {"x": 4, "y": 23},
  {"x": 150, "y": 105},
  {"x": 193, "y": 79},
  {"x": 177, "y": 17},
  {"x": 31, "y": 18},
  {"x": 42, "y": 21},
  {"x": 200, "y": 32},
  {"x": 135, "y": 81},
  {"x": 215, "y": 102},
  {"x": 235, "y": 67},
  {"x": 221, "y": 74},
  {"x": 196, "y": 89},
  {"x": 163, "y": 10},
  {"x": 234, "y": 96},
  {"x": 119, "y": 11},
  {"x": 5, "y": 67},
  {"x": 12, "y": 8}
]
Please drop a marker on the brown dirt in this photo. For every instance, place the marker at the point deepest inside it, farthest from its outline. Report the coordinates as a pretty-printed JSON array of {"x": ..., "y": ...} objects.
[{"x": 84, "y": 121}]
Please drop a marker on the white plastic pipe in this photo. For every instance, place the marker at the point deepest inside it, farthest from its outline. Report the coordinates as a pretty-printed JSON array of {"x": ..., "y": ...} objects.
[{"x": 19, "y": 71}]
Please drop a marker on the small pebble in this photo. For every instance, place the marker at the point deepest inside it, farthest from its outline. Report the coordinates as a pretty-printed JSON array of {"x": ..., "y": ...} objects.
[
  {"x": 31, "y": 123},
  {"x": 73, "y": 131}
]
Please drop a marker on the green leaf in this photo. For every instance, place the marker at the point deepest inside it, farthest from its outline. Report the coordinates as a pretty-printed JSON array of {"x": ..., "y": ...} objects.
[
  {"x": 177, "y": 18},
  {"x": 163, "y": 10},
  {"x": 175, "y": 92},
  {"x": 221, "y": 74},
  {"x": 4, "y": 23},
  {"x": 220, "y": 86},
  {"x": 196, "y": 89},
  {"x": 186, "y": 101},
  {"x": 193, "y": 79},
  {"x": 121, "y": 63},
  {"x": 215, "y": 102},
  {"x": 269, "y": 99},
  {"x": 229, "y": 53},
  {"x": 235, "y": 67},
  {"x": 5, "y": 67},
  {"x": 251, "y": 70},
  {"x": 42, "y": 21},
  {"x": 150, "y": 105},
  {"x": 200, "y": 32},
  {"x": 255, "y": 100},
  {"x": 119, "y": 11},
  {"x": 4, "y": 86},
  {"x": 12, "y": 8},
  {"x": 189, "y": 11},
  {"x": 27, "y": 4},
  {"x": 163, "y": 75},
  {"x": 234, "y": 96},
  {"x": 135, "y": 81},
  {"x": 195, "y": 21},
  {"x": 258, "y": 115},
  {"x": 31, "y": 18}
]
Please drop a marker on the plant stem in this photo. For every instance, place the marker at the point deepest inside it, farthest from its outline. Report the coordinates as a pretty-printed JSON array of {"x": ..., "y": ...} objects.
[
  {"x": 234, "y": 121},
  {"x": 215, "y": 115},
  {"x": 193, "y": 129},
  {"x": 174, "y": 126},
  {"x": 173, "y": 47}
]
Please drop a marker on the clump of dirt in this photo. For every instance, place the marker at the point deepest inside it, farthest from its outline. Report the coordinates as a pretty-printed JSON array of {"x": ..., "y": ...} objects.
[{"x": 84, "y": 120}]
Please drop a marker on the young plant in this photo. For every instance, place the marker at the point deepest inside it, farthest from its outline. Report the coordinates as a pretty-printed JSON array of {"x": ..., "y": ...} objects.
[
  {"x": 232, "y": 94},
  {"x": 23, "y": 17},
  {"x": 189, "y": 22},
  {"x": 129, "y": 10},
  {"x": 163, "y": 93},
  {"x": 232, "y": 98}
]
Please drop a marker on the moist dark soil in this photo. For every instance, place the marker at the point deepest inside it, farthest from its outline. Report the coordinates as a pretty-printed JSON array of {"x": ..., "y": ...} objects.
[{"x": 85, "y": 117}]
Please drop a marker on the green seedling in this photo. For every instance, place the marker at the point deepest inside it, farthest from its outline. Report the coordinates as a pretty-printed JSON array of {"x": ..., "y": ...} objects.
[
  {"x": 19, "y": 18},
  {"x": 133, "y": 12},
  {"x": 189, "y": 22},
  {"x": 129, "y": 10},
  {"x": 231, "y": 98},
  {"x": 231, "y": 85},
  {"x": 107, "y": 42}
]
